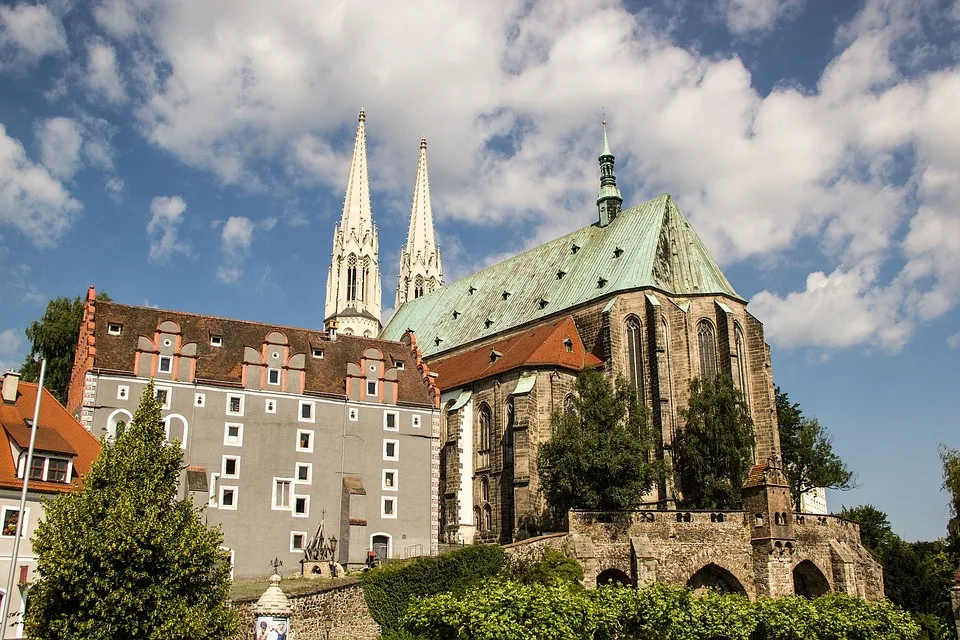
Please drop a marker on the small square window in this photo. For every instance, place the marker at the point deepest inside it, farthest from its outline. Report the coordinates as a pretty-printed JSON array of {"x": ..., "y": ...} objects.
[
  {"x": 389, "y": 480},
  {"x": 200, "y": 400},
  {"x": 388, "y": 507},
  {"x": 391, "y": 449},
  {"x": 304, "y": 441},
  {"x": 353, "y": 414},
  {"x": 371, "y": 387},
  {"x": 317, "y": 353},
  {"x": 399, "y": 365},
  {"x": 216, "y": 341},
  {"x": 235, "y": 405},
  {"x": 297, "y": 540},
  {"x": 416, "y": 421},
  {"x": 233, "y": 434},
  {"x": 166, "y": 364},
  {"x": 304, "y": 472},
  {"x": 231, "y": 467},
  {"x": 270, "y": 406},
  {"x": 162, "y": 394},
  {"x": 57, "y": 470},
  {"x": 301, "y": 506},
  {"x": 273, "y": 376},
  {"x": 114, "y": 328},
  {"x": 306, "y": 411},
  {"x": 391, "y": 421},
  {"x": 123, "y": 392},
  {"x": 228, "y": 498}
]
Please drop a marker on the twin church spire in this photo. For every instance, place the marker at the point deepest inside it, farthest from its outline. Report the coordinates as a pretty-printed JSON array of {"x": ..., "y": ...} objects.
[{"x": 353, "y": 280}]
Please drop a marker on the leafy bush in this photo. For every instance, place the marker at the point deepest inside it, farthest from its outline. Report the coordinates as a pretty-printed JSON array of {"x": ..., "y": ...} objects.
[
  {"x": 389, "y": 588},
  {"x": 554, "y": 566}
]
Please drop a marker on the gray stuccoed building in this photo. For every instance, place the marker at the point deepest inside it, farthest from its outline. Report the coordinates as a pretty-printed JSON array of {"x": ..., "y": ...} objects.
[{"x": 282, "y": 428}]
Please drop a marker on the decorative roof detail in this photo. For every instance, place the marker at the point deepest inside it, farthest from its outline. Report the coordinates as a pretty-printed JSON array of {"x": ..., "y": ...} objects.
[
  {"x": 420, "y": 267},
  {"x": 609, "y": 199},
  {"x": 661, "y": 251}
]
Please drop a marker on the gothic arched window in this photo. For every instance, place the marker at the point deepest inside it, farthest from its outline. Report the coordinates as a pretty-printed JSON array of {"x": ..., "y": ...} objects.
[
  {"x": 741, "y": 359},
  {"x": 365, "y": 283},
  {"x": 431, "y": 285},
  {"x": 418, "y": 287},
  {"x": 476, "y": 517},
  {"x": 635, "y": 354},
  {"x": 483, "y": 435},
  {"x": 352, "y": 277},
  {"x": 484, "y": 490},
  {"x": 707, "y": 343},
  {"x": 487, "y": 518}
]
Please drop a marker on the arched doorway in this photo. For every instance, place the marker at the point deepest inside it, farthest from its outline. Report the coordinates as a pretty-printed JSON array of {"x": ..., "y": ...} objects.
[
  {"x": 614, "y": 577},
  {"x": 716, "y": 577},
  {"x": 809, "y": 581}
]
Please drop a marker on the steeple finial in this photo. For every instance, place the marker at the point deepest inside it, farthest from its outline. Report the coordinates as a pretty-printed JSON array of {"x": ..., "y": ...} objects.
[
  {"x": 420, "y": 268},
  {"x": 363, "y": 116},
  {"x": 606, "y": 145},
  {"x": 609, "y": 199}
]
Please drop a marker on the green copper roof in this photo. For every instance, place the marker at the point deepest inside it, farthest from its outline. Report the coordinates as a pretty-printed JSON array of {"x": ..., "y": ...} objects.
[{"x": 650, "y": 245}]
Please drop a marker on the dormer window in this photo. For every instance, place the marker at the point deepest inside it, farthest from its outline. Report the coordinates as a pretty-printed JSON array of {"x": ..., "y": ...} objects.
[
  {"x": 506, "y": 294},
  {"x": 601, "y": 283},
  {"x": 488, "y": 323},
  {"x": 456, "y": 314},
  {"x": 495, "y": 355},
  {"x": 216, "y": 341},
  {"x": 617, "y": 252},
  {"x": 560, "y": 274},
  {"x": 568, "y": 345},
  {"x": 437, "y": 341},
  {"x": 543, "y": 303},
  {"x": 49, "y": 469},
  {"x": 114, "y": 328},
  {"x": 471, "y": 290},
  {"x": 574, "y": 249},
  {"x": 317, "y": 353}
]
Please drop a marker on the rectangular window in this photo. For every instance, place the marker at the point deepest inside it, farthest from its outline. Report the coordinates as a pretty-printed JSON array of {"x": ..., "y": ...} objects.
[
  {"x": 231, "y": 466},
  {"x": 10, "y": 518},
  {"x": 114, "y": 328},
  {"x": 228, "y": 497},
  {"x": 318, "y": 353},
  {"x": 57, "y": 470},
  {"x": 304, "y": 472},
  {"x": 270, "y": 406},
  {"x": 281, "y": 493},
  {"x": 371, "y": 387},
  {"x": 233, "y": 434},
  {"x": 36, "y": 467},
  {"x": 389, "y": 480},
  {"x": 301, "y": 506},
  {"x": 399, "y": 364},
  {"x": 273, "y": 376},
  {"x": 306, "y": 411},
  {"x": 123, "y": 392},
  {"x": 235, "y": 405},
  {"x": 304, "y": 441},
  {"x": 391, "y": 449},
  {"x": 199, "y": 400},
  {"x": 166, "y": 364},
  {"x": 388, "y": 507},
  {"x": 163, "y": 395},
  {"x": 297, "y": 540},
  {"x": 391, "y": 421},
  {"x": 216, "y": 341},
  {"x": 416, "y": 421}
]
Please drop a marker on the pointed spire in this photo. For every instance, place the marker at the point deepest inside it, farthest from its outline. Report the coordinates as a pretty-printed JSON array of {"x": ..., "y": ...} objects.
[
  {"x": 609, "y": 199},
  {"x": 356, "y": 203},
  {"x": 606, "y": 145},
  {"x": 420, "y": 268}
]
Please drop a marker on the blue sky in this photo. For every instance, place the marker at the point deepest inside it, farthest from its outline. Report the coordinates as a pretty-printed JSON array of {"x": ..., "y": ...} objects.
[{"x": 193, "y": 155}]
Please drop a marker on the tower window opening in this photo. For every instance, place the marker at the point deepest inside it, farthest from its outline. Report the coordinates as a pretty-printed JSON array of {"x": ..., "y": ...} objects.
[{"x": 352, "y": 278}]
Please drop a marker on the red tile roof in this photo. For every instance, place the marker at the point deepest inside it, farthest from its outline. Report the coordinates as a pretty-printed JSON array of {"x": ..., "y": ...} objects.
[
  {"x": 58, "y": 432},
  {"x": 542, "y": 346}
]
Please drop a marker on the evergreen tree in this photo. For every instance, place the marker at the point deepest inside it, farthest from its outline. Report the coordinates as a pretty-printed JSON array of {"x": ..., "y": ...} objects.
[
  {"x": 123, "y": 557},
  {"x": 951, "y": 482},
  {"x": 807, "y": 449},
  {"x": 600, "y": 454},
  {"x": 715, "y": 449},
  {"x": 876, "y": 533},
  {"x": 54, "y": 337}
]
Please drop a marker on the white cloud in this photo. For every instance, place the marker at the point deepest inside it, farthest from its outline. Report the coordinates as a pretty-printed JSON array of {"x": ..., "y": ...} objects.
[
  {"x": 31, "y": 30},
  {"x": 235, "y": 241},
  {"x": 10, "y": 358},
  {"x": 953, "y": 341},
  {"x": 114, "y": 187},
  {"x": 117, "y": 17},
  {"x": 31, "y": 200},
  {"x": 166, "y": 216},
  {"x": 744, "y": 16},
  {"x": 60, "y": 141},
  {"x": 102, "y": 74}
]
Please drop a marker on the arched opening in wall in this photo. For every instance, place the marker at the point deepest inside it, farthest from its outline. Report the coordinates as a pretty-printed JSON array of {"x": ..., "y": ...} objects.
[
  {"x": 365, "y": 292},
  {"x": 613, "y": 577},
  {"x": 809, "y": 581},
  {"x": 432, "y": 285},
  {"x": 635, "y": 354},
  {"x": 741, "y": 362},
  {"x": 484, "y": 490},
  {"x": 484, "y": 419},
  {"x": 477, "y": 522},
  {"x": 707, "y": 347},
  {"x": 418, "y": 287},
  {"x": 506, "y": 478},
  {"x": 176, "y": 429},
  {"x": 713, "y": 576},
  {"x": 367, "y": 334},
  {"x": 487, "y": 518},
  {"x": 117, "y": 422},
  {"x": 380, "y": 544},
  {"x": 568, "y": 403}
]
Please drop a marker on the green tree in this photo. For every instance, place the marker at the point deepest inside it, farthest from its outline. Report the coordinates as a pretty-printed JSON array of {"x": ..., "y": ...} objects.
[
  {"x": 123, "y": 557},
  {"x": 54, "y": 337},
  {"x": 715, "y": 449},
  {"x": 807, "y": 449},
  {"x": 951, "y": 482},
  {"x": 876, "y": 534},
  {"x": 600, "y": 453}
]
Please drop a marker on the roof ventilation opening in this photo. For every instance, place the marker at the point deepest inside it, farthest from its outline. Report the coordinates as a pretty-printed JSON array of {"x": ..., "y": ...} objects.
[
  {"x": 617, "y": 252},
  {"x": 488, "y": 323},
  {"x": 574, "y": 249},
  {"x": 437, "y": 341},
  {"x": 471, "y": 290},
  {"x": 601, "y": 283},
  {"x": 560, "y": 274},
  {"x": 456, "y": 314},
  {"x": 568, "y": 344},
  {"x": 495, "y": 355},
  {"x": 543, "y": 303},
  {"x": 506, "y": 294}
]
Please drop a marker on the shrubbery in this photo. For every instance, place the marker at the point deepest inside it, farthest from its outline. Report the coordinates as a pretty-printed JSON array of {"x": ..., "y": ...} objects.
[
  {"x": 505, "y": 610},
  {"x": 552, "y": 566}
]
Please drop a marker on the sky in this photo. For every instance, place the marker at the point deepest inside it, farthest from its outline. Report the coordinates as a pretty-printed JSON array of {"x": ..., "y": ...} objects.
[{"x": 193, "y": 155}]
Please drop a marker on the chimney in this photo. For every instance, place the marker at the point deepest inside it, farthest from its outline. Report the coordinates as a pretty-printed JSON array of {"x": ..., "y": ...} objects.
[{"x": 10, "y": 381}]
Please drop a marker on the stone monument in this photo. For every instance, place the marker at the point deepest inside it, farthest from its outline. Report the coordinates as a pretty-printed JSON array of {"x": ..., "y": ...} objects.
[
  {"x": 319, "y": 556},
  {"x": 272, "y": 612}
]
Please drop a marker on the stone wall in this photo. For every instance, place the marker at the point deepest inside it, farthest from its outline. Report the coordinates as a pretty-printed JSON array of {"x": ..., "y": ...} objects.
[{"x": 344, "y": 604}]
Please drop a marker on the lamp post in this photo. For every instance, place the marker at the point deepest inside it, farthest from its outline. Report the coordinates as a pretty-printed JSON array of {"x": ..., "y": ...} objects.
[{"x": 14, "y": 556}]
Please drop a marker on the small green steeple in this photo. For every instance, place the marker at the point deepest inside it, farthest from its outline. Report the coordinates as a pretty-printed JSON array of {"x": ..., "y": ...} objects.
[{"x": 609, "y": 199}]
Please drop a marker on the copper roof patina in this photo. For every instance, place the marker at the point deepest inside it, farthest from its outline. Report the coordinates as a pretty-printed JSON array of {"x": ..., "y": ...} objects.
[{"x": 649, "y": 245}]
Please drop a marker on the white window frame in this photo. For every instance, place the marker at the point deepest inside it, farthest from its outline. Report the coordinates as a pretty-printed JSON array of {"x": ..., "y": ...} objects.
[
  {"x": 214, "y": 491},
  {"x": 399, "y": 365},
  {"x": 383, "y": 480},
  {"x": 396, "y": 450},
  {"x": 236, "y": 497},
  {"x": 317, "y": 353},
  {"x": 216, "y": 341},
  {"x": 313, "y": 411},
  {"x": 293, "y": 505},
  {"x": 416, "y": 420},
  {"x": 353, "y": 414},
  {"x": 396, "y": 420},
  {"x": 46, "y": 468},
  {"x": 242, "y": 402},
  {"x": 169, "y": 390},
  {"x": 304, "y": 465},
  {"x": 123, "y": 392},
  {"x": 270, "y": 372},
  {"x": 376, "y": 388},
  {"x": 294, "y": 549},
  {"x": 226, "y": 434},
  {"x": 223, "y": 468},
  {"x": 168, "y": 360},
  {"x": 383, "y": 507},
  {"x": 305, "y": 449},
  {"x": 111, "y": 427},
  {"x": 114, "y": 328},
  {"x": 200, "y": 400},
  {"x": 273, "y": 500},
  {"x": 26, "y": 517}
]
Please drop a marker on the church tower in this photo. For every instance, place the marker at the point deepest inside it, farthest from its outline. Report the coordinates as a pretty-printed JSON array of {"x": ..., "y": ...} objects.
[
  {"x": 609, "y": 199},
  {"x": 353, "y": 282},
  {"x": 420, "y": 269}
]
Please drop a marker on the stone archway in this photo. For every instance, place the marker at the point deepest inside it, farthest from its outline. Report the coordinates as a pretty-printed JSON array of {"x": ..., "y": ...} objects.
[
  {"x": 614, "y": 577},
  {"x": 713, "y": 576},
  {"x": 809, "y": 581}
]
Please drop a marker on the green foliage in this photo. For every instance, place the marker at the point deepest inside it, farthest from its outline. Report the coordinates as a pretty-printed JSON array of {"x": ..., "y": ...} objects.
[
  {"x": 951, "y": 482},
  {"x": 876, "y": 534},
  {"x": 124, "y": 558},
  {"x": 54, "y": 337},
  {"x": 554, "y": 566},
  {"x": 599, "y": 456},
  {"x": 715, "y": 449},
  {"x": 807, "y": 449},
  {"x": 503, "y": 609},
  {"x": 389, "y": 588}
]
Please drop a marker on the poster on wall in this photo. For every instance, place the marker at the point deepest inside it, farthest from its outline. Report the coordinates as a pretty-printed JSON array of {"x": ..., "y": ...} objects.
[{"x": 271, "y": 628}]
